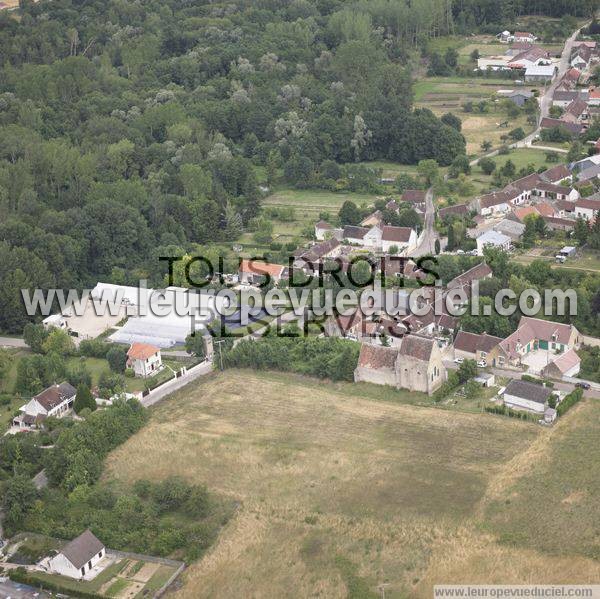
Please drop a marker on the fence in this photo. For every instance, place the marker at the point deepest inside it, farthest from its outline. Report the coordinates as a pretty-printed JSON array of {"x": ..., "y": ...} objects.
[{"x": 175, "y": 383}]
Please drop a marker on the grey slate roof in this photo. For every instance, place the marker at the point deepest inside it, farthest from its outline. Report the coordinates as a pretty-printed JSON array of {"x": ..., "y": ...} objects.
[
  {"x": 527, "y": 390},
  {"x": 82, "y": 548}
]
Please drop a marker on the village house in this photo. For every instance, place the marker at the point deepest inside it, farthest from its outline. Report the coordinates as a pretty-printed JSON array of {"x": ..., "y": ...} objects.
[
  {"x": 567, "y": 364},
  {"x": 505, "y": 37},
  {"x": 527, "y": 396},
  {"x": 493, "y": 239},
  {"x": 496, "y": 202},
  {"x": 476, "y": 273},
  {"x": 563, "y": 97},
  {"x": 355, "y": 235},
  {"x": 252, "y": 272},
  {"x": 350, "y": 326},
  {"x": 374, "y": 219},
  {"x": 55, "y": 401},
  {"x": 416, "y": 365},
  {"x": 535, "y": 334},
  {"x": 79, "y": 557},
  {"x": 144, "y": 359},
  {"x": 576, "y": 112},
  {"x": 574, "y": 129},
  {"x": 524, "y": 36},
  {"x": 322, "y": 230},
  {"x": 474, "y": 346},
  {"x": 557, "y": 174},
  {"x": 457, "y": 209},
  {"x": 309, "y": 259},
  {"x": 415, "y": 197},
  {"x": 586, "y": 209},
  {"x": 402, "y": 238}
]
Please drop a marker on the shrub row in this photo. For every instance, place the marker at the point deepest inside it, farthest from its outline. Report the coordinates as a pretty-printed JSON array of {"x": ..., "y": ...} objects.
[
  {"x": 569, "y": 401},
  {"x": 22, "y": 576}
]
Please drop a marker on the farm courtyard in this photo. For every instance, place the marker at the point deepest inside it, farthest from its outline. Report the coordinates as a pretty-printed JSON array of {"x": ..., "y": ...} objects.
[{"x": 340, "y": 492}]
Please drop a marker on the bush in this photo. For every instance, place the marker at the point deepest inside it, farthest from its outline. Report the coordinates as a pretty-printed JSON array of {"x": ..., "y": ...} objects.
[
  {"x": 569, "y": 401},
  {"x": 93, "y": 348},
  {"x": 21, "y": 575}
]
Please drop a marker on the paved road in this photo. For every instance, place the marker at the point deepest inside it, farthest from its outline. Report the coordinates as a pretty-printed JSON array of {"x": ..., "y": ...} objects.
[
  {"x": 19, "y": 591},
  {"x": 545, "y": 100},
  {"x": 429, "y": 234},
  {"x": 12, "y": 342},
  {"x": 176, "y": 384},
  {"x": 516, "y": 374}
]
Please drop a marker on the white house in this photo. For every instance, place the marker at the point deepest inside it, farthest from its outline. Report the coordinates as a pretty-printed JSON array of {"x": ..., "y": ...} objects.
[
  {"x": 524, "y": 36},
  {"x": 404, "y": 238},
  {"x": 144, "y": 359},
  {"x": 55, "y": 401},
  {"x": 322, "y": 230},
  {"x": 372, "y": 238},
  {"x": 354, "y": 234},
  {"x": 587, "y": 209},
  {"x": 78, "y": 557},
  {"x": 523, "y": 395},
  {"x": 493, "y": 238}
]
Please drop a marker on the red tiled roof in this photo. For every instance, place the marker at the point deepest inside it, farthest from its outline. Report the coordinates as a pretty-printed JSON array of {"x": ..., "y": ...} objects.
[
  {"x": 141, "y": 351},
  {"x": 258, "y": 267},
  {"x": 413, "y": 195},
  {"x": 377, "y": 357},
  {"x": 417, "y": 347},
  {"x": 474, "y": 342}
]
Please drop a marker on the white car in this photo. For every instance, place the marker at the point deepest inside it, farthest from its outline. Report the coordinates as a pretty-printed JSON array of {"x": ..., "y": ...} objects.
[
  {"x": 459, "y": 360},
  {"x": 482, "y": 363}
]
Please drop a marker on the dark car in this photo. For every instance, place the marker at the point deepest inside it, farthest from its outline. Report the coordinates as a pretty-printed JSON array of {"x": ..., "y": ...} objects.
[{"x": 585, "y": 386}]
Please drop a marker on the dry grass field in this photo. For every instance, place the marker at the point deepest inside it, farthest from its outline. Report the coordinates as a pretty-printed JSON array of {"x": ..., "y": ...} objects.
[{"x": 339, "y": 492}]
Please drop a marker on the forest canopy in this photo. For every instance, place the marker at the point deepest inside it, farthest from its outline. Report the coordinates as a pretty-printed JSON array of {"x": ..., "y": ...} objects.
[{"x": 132, "y": 130}]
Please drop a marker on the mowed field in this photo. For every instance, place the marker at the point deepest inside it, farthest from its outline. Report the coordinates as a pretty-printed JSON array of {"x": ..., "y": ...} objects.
[
  {"x": 339, "y": 493},
  {"x": 448, "y": 94}
]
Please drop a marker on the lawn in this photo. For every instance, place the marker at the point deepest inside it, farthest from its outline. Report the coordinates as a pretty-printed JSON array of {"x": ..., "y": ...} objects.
[
  {"x": 352, "y": 485},
  {"x": 124, "y": 578},
  {"x": 97, "y": 366},
  {"x": 448, "y": 94},
  {"x": 553, "y": 505},
  {"x": 308, "y": 204},
  {"x": 520, "y": 157},
  {"x": 9, "y": 402}
]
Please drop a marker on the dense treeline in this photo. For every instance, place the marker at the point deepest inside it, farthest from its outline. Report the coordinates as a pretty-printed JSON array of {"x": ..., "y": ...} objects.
[
  {"x": 128, "y": 132},
  {"x": 160, "y": 518},
  {"x": 479, "y": 13},
  {"x": 329, "y": 358}
]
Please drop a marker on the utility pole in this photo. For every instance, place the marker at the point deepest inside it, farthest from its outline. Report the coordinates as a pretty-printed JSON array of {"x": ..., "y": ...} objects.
[{"x": 220, "y": 351}]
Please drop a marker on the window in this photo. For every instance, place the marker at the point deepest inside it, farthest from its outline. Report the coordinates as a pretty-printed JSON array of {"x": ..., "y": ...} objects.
[{"x": 83, "y": 570}]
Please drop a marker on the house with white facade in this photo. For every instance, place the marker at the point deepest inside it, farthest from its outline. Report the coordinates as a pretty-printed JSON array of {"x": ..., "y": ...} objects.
[
  {"x": 79, "y": 557},
  {"x": 526, "y": 396},
  {"x": 144, "y": 359},
  {"x": 54, "y": 401},
  {"x": 495, "y": 239},
  {"x": 322, "y": 230},
  {"x": 587, "y": 209},
  {"x": 403, "y": 238}
]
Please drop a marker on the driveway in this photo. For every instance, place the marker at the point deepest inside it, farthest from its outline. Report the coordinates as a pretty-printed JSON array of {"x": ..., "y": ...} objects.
[
  {"x": 12, "y": 342},
  {"x": 429, "y": 234},
  {"x": 20, "y": 591}
]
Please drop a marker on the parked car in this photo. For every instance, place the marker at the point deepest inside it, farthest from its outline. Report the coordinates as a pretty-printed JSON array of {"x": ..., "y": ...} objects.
[
  {"x": 583, "y": 385},
  {"x": 482, "y": 363},
  {"x": 459, "y": 360}
]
